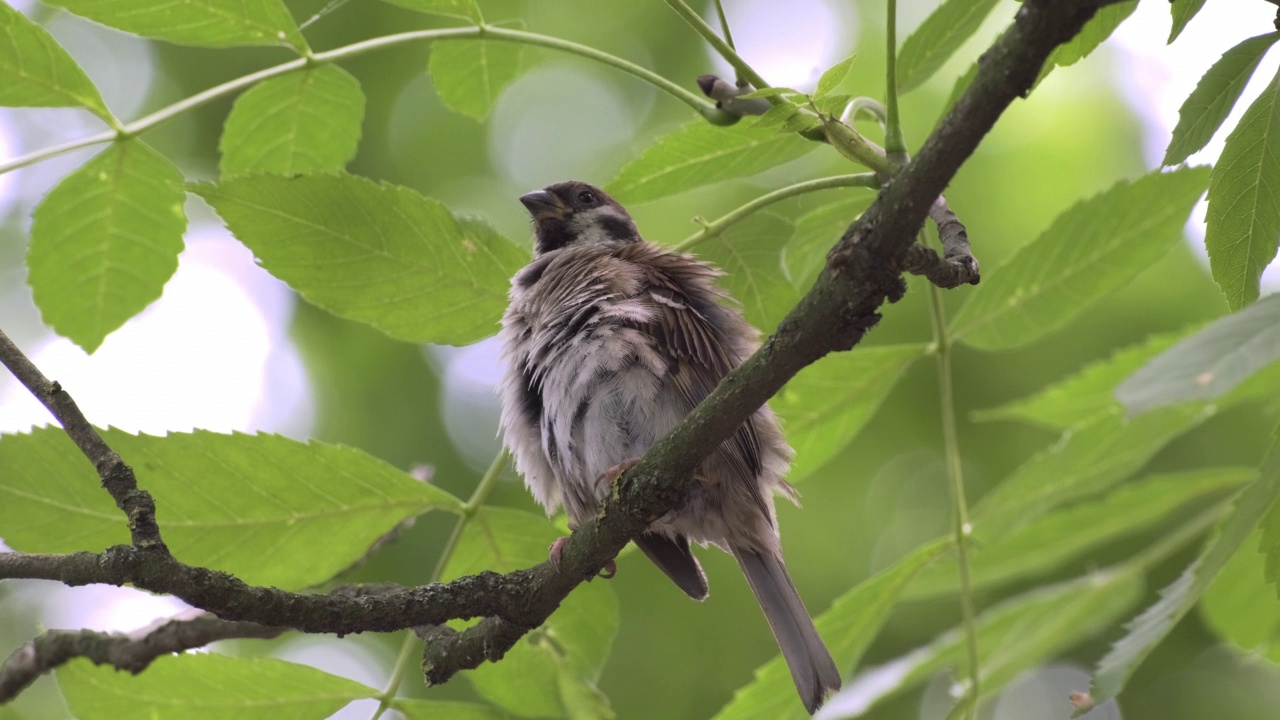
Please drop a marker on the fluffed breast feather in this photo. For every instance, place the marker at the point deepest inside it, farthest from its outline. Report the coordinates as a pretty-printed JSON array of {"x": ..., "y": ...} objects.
[{"x": 636, "y": 336}]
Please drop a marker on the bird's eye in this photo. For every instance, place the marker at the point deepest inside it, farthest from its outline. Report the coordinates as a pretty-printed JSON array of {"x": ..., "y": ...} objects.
[{"x": 586, "y": 197}]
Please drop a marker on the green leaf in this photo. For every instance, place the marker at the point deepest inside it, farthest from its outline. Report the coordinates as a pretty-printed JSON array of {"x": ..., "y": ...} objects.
[
  {"x": 937, "y": 39},
  {"x": 848, "y": 628},
  {"x": 373, "y": 252},
  {"x": 1049, "y": 542},
  {"x": 247, "y": 504},
  {"x": 582, "y": 700},
  {"x": 835, "y": 75},
  {"x": 1183, "y": 11},
  {"x": 465, "y": 9},
  {"x": 1270, "y": 547},
  {"x": 203, "y": 23},
  {"x": 1087, "y": 459},
  {"x": 817, "y": 231},
  {"x": 1084, "y": 394},
  {"x": 415, "y": 709},
  {"x": 555, "y": 665},
  {"x": 1239, "y": 607},
  {"x": 1091, "y": 391},
  {"x": 206, "y": 686},
  {"x": 303, "y": 122},
  {"x": 828, "y": 403},
  {"x": 502, "y": 540},
  {"x": 105, "y": 240},
  {"x": 1013, "y": 636},
  {"x": 800, "y": 122},
  {"x": 835, "y": 104},
  {"x": 1243, "y": 221},
  {"x": 1148, "y": 629},
  {"x": 1094, "y": 247},
  {"x": 36, "y": 72},
  {"x": 1216, "y": 93},
  {"x": 750, "y": 253},
  {"x": 470, "y": 75},
  {"x": 1209, "y": 363},
  {"x": 702, "y": 154},
  {"x": 776, "y": 116},
  {"x": 1094, "y": 32},
  {"x": 957, "y": 90}
]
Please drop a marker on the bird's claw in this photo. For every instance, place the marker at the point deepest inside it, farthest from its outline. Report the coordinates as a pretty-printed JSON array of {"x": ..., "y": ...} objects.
[
  {"x": 610, "y": 476},
  {"x": 607, "y": 572},
  {"x": 553, "y": 552}
]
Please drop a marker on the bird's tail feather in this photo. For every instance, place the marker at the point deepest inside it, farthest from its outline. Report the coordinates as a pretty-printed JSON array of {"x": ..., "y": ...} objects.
[{"x": 812, "y": 668}]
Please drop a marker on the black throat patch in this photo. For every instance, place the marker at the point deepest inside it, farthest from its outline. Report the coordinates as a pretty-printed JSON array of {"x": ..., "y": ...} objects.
[{"x": 552, "y": 234}]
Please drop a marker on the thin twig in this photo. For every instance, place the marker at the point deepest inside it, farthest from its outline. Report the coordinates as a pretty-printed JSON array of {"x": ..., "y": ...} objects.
[
  {"x": 132, "y": 651},
  {"x": 728, "y": 36},
  {"x": 117, "y": 477},
  {"x": 489, "y": 32},
  {"x": 957, "y": 266},
  {"x": 720, "y": 225},
  {"x": 745, "y": 72},
  {"x": 726, "y": 95},
  {"x": 894, "y": 144},
  {"x": 955, "y": 472}
]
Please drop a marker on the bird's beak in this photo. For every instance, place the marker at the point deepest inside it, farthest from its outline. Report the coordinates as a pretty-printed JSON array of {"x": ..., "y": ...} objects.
[{"x": 542, "y": 204}]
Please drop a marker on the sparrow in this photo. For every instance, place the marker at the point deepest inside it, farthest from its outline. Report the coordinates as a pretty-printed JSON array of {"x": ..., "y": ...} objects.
[{"x": 608, "y": 342}]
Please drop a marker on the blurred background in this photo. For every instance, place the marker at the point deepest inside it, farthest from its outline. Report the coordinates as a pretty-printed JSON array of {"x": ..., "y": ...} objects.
[{"x": 230, "y": 348}]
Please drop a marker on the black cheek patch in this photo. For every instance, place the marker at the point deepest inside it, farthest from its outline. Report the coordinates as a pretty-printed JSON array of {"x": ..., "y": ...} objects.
[
  {"x": 618, "y": 228},
  {"x": 552, "y": 234}
]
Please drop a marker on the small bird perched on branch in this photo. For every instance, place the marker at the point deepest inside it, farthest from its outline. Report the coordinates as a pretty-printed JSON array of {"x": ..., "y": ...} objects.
[{"x": 609, "y": 341}]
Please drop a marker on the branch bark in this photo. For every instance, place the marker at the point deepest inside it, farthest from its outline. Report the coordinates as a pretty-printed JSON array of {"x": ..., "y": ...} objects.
[
  {"x": 117, "y": 477},
  {"x": 863, "y": 271},
  {"x": 132, "y": 652},
  {"x": 957, "y": 266}
]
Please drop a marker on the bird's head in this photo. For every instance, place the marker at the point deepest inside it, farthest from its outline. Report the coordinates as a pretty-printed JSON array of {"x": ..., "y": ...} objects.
[{"x": 575, "y": 213}]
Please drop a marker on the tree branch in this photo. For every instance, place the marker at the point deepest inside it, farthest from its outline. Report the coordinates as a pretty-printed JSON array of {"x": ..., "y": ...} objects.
[
  {"x": 133, "y": 651},
  {"x": 345, "y": 610},
  {"x": 957, "y": 266},
  {"x": 117, "y": 477},
  {"x": 863, "y": 271}
]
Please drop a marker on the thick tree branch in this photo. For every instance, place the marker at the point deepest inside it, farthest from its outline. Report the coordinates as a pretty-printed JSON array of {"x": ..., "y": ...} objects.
[
  {"x": 342, "y": 611},
  {"x": 863, "y": 271},
  {"x": 117, "y": 477},
  {"x": 133, "y": 651}
]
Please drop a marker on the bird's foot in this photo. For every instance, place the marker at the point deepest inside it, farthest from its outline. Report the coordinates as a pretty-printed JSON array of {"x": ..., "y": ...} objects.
[
  {"x": 607, "y": 572},
  {"x": 610, "y": 476},
  {"x": 553, "y": 552}
]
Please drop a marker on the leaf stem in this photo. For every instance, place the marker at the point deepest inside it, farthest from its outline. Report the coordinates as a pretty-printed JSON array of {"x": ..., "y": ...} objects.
[
  {"x": 489, "y": 32},
  {"x": 728, "y": 36},
  {"x": 895, "y": 145},
  {"x": 401, "y": 668},
  {"x": 955, "y": 472},
  {"x": 474, "y": 503},
  {"x": 744, "y": 71},
  {"x": 712, "y": 229},
  {"x": 688, "y": 97}
]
